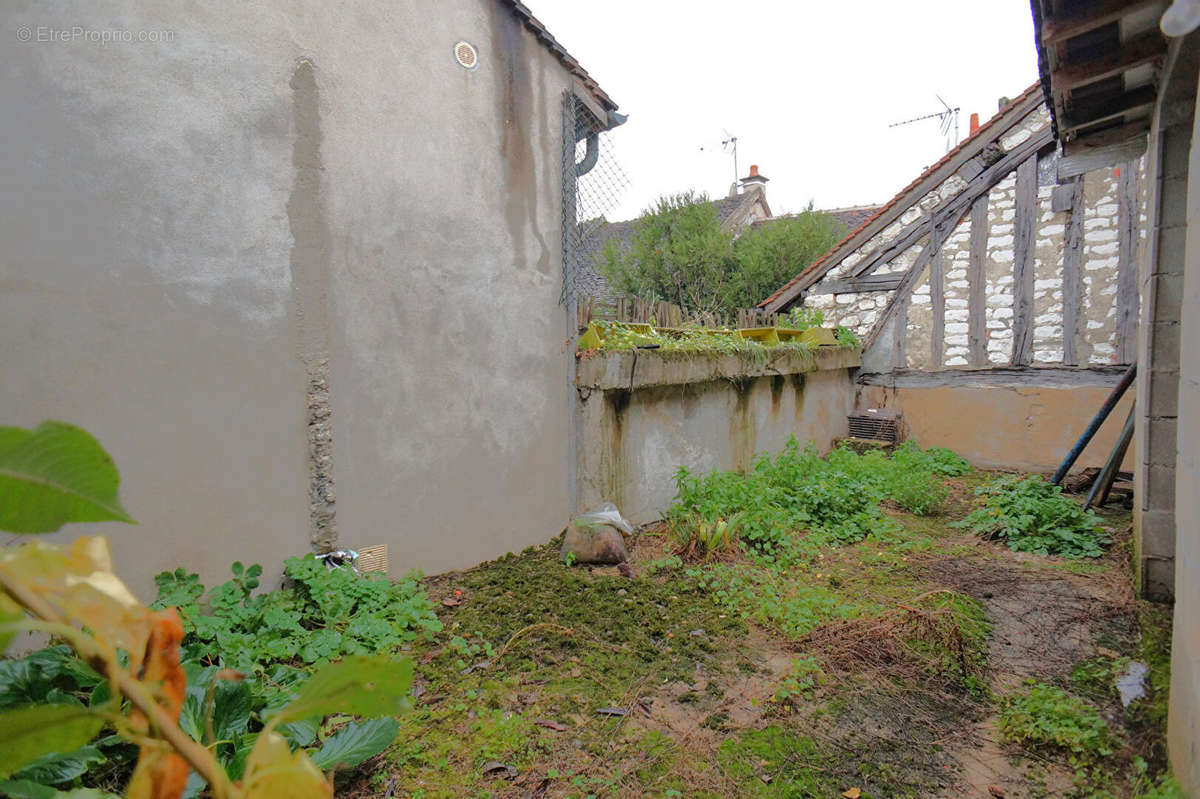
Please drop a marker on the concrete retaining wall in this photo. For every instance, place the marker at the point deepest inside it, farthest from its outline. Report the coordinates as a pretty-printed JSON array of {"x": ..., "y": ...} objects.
[{"x": 645, "y": 415}]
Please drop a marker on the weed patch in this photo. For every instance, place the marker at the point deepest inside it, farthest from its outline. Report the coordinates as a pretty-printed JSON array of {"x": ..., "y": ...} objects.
[
  {"x": 1044, "y": 716},
  {"x": 1032, "y": 515}
]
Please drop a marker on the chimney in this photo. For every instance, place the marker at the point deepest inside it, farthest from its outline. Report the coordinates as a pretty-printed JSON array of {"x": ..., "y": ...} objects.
[
  {"x": 754, "y": 179},
  {"x": 974, "y": 124}
]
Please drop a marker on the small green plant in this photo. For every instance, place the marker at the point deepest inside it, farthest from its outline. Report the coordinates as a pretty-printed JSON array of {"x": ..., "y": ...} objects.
[
  {"x": 802, "y": 318},
  {"x": 1033, "y": 516},
  {"x": 846, "y": 337},
  {"x": 800, "y": 680},
  {"x": 1049, "y": 717}
]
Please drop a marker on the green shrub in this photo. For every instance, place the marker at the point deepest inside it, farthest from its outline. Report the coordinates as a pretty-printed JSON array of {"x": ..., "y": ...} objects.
[
  {"x": 1033, "y": 516},
  {"x": 1045, "y": 716}
]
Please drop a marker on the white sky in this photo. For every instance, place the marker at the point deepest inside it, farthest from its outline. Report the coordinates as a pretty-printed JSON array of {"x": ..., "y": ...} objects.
[{"x": 809, "y": 88}]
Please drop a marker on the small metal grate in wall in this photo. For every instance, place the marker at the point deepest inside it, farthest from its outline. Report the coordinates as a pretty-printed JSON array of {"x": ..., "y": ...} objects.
[
  {"x": 466, "y": 55},
  {"x": 876, "y": 424}
]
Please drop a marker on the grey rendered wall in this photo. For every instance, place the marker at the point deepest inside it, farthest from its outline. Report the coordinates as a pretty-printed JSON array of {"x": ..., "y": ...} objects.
[
  {"x": 1184, "y": 721},
  {"x": 633, "y": 441},
  {"x": 194, "y": 228}
]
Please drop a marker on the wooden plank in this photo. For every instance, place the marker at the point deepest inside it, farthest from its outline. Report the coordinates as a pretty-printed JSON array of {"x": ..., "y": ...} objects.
[
  {"x": 977, "y": 283},
  {"x": 1072, "y": 273},
  {"x": 1127, "y": 240},
  {"x": 1061, "y": 197},
  {"x": 1061, "y": 27},
  {"x": 1023, "y": 263},
  {"x": 1131, "y": 105},
  {"x": 1141, "y": 49},
  {"x": 855, "y": 285},
  {"x": 937, "y": 297},
  {"x": 982, "y": 184},
  {"x": 900, "y": 332},
  {"x": 1020, "y": 377},
  {"x": 964, "y": 153}
]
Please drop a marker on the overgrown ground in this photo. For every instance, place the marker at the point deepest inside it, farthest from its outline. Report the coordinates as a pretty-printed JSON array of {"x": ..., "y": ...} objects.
[{"x": 883, "y": 668}]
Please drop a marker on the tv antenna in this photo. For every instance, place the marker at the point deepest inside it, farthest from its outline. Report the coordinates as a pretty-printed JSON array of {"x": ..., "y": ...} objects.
[
  {"x": 729, "y": 145},
  {"x": 947, "y": 119}
]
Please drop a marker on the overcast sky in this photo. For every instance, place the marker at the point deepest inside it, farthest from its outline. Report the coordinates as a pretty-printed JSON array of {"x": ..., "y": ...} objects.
[{"x": 809, "y": 88}]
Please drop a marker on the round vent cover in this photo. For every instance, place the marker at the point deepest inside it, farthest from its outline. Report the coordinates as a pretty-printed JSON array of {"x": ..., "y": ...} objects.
[{"x": 466, "y": 55}]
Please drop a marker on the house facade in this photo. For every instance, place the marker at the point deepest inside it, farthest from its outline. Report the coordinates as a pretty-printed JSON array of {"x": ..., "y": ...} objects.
[
  {"x": 995, "y": 282},
  {"x": 221, "y": 258}
]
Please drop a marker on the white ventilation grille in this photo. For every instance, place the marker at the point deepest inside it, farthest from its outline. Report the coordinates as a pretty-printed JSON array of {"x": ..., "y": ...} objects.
[{"x": 466, "y": 55}]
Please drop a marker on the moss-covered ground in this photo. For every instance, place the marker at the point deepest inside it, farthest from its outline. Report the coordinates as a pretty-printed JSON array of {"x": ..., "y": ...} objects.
[{"x": 876, "y": 669}]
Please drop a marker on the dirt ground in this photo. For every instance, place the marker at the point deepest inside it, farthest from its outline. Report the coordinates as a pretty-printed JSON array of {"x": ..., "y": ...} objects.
[{"x": 837, "y": 678}]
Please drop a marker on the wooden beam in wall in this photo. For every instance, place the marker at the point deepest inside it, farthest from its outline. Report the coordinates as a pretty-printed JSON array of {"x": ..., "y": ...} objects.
[
  {"x": 981, "y": 184},
  {"x": 1028, "y": 376},
  {"x": 937, "y": 297},
  {"x": 1023, "y": 262},
  {"x": 1127, "y": 240},
  {"x": 977, "y": 283},
  {"x": 937, "y": 239},
  {"x": 1072, "y": 281},
  {"x": 853, "y": 285},
  {"x": 900, "y": 333}
]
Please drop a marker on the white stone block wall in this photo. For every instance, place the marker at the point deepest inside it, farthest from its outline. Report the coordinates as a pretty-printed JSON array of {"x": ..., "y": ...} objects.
[{"x": 1097, "y": 320}]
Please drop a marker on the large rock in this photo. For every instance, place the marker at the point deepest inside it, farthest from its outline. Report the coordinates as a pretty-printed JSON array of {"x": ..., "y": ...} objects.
[{"x": 597, "y": 537}]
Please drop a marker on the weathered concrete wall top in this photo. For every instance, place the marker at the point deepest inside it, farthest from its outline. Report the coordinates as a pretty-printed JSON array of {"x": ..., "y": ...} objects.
[
  {"x": 273, "y": 255},
  {"x": 642, "y": 421}
]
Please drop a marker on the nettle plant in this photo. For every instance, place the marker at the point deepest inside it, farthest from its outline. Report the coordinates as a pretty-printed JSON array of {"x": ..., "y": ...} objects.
[{"x": 118, "y": 678}]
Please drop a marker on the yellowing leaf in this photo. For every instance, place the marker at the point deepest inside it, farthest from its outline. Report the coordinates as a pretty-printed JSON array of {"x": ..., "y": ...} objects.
[
  {"x": 160, "y": 774},
  {"x": 80, "y": 583},
  {"x": 54, "y": 474},
  {"x": 853, "y": 793},
  {"x": 274, "y": 771},
  {"x": 28, "y": 733}
]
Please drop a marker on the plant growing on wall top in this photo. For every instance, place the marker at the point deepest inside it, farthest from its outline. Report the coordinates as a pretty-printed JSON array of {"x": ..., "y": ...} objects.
[{"x": 58, "y": 474}]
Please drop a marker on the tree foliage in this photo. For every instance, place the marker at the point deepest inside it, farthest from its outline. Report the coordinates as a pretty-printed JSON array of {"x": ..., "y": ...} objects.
[{"x": 680, "y": 253}]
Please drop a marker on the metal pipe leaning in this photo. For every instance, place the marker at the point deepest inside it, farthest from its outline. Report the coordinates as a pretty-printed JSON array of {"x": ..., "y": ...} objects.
[{"x": 1102, "y": 414}]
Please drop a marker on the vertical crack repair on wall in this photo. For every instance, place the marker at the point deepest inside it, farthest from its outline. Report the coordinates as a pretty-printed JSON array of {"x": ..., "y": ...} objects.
[{"x": 309, "y": 225}]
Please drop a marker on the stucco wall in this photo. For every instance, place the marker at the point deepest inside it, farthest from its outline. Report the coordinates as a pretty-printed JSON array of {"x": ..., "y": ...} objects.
[
  {"x": 1183, "y": 732},
  {"x": 1026, "y": 427},
  {"x": 699, "y": 414},
  {"x": 197, "y": 229}
]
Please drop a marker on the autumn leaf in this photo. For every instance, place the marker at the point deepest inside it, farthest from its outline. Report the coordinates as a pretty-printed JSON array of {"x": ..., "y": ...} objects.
[{"x": 273, "y": 771}]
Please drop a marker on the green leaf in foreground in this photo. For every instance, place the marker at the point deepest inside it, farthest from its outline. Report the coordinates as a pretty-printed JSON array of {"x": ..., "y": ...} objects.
[
  {"x": 359, "y": 685},
  {"x": 55, "y": 768},
  {"x": 28, "y": 733},
  {"x": 355, "y": 742},
  {"x": 54, "y": 474}
]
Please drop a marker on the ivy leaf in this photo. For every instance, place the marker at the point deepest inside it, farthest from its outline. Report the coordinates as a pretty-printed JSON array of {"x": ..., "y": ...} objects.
[
  {"x": 54, "y": 474},
  {"x": 356, "y": 742},
  {"x": 56, "y": 768},
  {"x": 28, "y": 733},
  {"x": 360, "y": 685}
]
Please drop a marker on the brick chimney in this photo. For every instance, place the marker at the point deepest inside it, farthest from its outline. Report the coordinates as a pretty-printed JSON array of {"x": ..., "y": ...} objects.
[
  {"x": 754, "y": 179},
  {"x": 974, "y": 124}
]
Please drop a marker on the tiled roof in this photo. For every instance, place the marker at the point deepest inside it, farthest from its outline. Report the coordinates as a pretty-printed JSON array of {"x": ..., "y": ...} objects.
[
  {"x": 854, "y": 216},
  {"x": 828, "y": 261}
]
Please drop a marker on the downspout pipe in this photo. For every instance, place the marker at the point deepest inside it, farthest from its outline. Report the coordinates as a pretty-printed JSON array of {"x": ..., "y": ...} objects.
[{"x": 590, "y": 156}]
